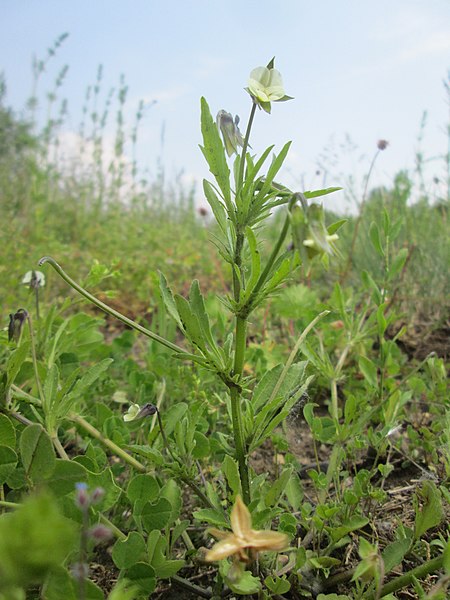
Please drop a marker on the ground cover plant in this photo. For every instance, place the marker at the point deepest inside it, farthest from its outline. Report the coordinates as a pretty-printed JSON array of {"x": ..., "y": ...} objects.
[{"x": 263, "y": 434}]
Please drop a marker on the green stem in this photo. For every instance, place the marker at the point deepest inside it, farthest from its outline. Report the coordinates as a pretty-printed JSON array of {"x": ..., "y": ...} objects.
[
  {"x": 95, "y": 433},
  {"x": 34, "y": 359},
  {"x": 116, "y": 531},
  {"x": 240, "y": 180},
  {"x": 431, "y": 566},
  {"x": 7, "y": 504},
  {"x": 59, "y": 447},
  {"x": 240, "y": 340},
  {"x": 108, "y": 309},
  {"x": 236, "y": 408}
]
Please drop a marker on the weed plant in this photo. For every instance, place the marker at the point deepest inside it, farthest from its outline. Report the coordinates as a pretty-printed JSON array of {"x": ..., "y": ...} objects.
[{"x": 154, "y": 440}]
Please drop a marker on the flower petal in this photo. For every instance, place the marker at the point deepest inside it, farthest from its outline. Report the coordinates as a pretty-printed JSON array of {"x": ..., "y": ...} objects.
[
  {"x": 220, "y": 535},
  {"x": 241, "y": 520},
  {"x": 226, "y": 547},
  {"x": 268, "y": 540}
]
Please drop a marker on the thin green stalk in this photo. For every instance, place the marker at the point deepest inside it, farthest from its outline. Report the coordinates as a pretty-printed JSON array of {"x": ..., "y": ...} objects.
[
  {"x": 21, "y": 395},
  {"x": 7, "y": 504},
  {"x": 240, "y": 340},
  {"x": 95, "y": 433},
  {"x": 431, "y": 566},
  {"x": 34, "y": 359},
  {"x": 240, "y": 180},
  {"x": 109, "y": 310},
  {"x": 59, "y": 447}
]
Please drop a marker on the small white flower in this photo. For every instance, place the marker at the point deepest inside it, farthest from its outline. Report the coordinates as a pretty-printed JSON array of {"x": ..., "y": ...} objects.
[
  {"x": 265, "y": 85},
  {"x": 34, "y": 279},
  {"x": 132, "y": 412}
]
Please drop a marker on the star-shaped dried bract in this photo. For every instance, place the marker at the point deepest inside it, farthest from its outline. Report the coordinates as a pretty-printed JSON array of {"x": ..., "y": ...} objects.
[{"x": 243, "y": 538}]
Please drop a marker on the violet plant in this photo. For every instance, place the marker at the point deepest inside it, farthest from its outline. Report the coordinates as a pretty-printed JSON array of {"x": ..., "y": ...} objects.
[{"x": 242, "y": 199}]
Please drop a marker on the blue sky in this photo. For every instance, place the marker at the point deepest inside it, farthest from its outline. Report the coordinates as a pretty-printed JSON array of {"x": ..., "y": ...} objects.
[{"x": 359, "y": 70}]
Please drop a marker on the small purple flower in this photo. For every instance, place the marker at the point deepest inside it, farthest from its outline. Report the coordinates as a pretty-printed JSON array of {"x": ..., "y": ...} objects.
[
  {"x": 82, "y": 497},
  {"x": 100, "y": 533}
]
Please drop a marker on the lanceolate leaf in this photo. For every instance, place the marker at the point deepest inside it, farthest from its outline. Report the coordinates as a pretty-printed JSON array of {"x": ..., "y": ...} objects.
[
  {"x": 216, "y": 205},
  {"x": 318, "y": 193},
  {"x": 214, "y": 153},
  {"x": 169, "y": 301}
]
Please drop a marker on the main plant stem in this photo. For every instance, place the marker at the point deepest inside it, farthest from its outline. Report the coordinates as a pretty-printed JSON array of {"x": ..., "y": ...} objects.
[
  {"x": 240, "y": 340},
  {"x": 236, "y": 409}
]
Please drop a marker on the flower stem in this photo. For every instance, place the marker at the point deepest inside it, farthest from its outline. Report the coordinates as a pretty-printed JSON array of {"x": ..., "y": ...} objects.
[
  {"x": 95, "y": 433},
  {"x": 240, "y": 180},
  {"x": 108, "y": 309}
]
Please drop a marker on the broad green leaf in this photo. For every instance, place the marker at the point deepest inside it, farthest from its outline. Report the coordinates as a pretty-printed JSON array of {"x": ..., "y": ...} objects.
[
  {"x": 128, "y": 552},
  {"x": 231, "y": 471},
  {"x": 243, "y": 585},
  {"x": 369, "y": 370},
  {"x": 214, "y": 153},
  {"x": 60, "y": 584},
  {"x": 171, "y": 492},
  {"x": 105, "y": 480},
  {"x": 143, "y": 575},
  {"x": 8, "y": 462},
  {"x": 156, "y": 515},
  {"x": 37, "y": 453},
  {"x": 64, "y": 477},
  {"x": 7, "y": 432},
  {"x": 164, "y": 568},
  {"x": 431, "y": 513},
  {"x": 143, "y": 487},
  {"x": 277, "y": 585}
]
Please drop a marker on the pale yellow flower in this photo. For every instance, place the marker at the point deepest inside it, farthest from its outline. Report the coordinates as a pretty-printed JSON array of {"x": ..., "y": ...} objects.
[
  {"x": 265, "y": 85},
  {"x": 243, "y": 537},
  {"x": 132, "y": 412}
]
